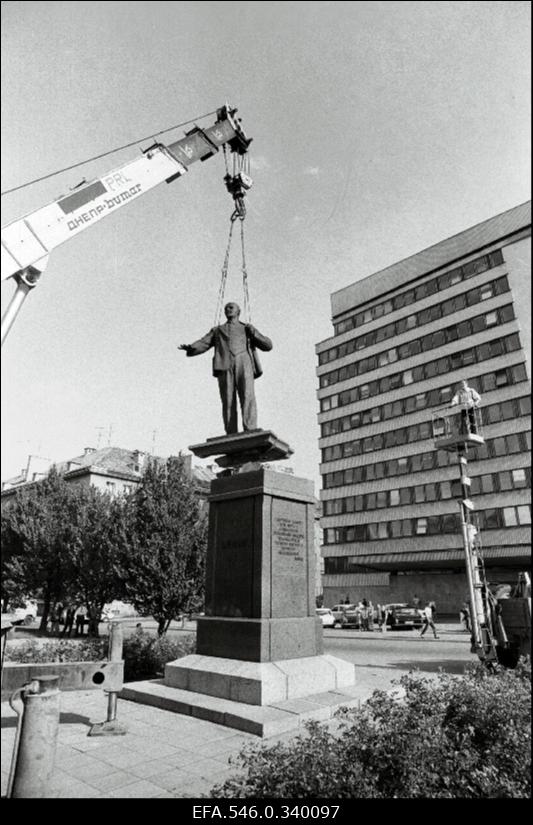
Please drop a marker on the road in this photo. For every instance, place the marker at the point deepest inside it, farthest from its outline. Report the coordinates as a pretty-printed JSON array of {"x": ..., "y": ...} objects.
[{"x": 382, "y": 658}]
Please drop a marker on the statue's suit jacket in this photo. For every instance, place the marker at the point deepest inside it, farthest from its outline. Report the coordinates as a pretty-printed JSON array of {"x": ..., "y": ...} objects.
[{"x": 218, "y": 337}]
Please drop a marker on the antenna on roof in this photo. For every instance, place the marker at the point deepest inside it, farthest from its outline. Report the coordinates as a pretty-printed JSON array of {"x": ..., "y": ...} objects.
[
  {"x": 109, "y": 434},
  {"x": 100, "y": 431}
]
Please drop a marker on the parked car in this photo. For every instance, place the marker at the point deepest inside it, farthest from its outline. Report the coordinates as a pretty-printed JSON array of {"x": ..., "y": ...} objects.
[
  {"x": 23, "y": 615},
  {"x": 326, "y": 616},
  {"x": 351, "y": 617},
  {"x": 402, "y": 616},
  {"x": 339, "y": 611},
  {"x": 117, "y": 610}
]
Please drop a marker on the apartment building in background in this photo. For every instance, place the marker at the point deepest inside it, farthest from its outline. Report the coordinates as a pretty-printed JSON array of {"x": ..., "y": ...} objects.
[
  {"x": 114, "y": 470},
  {"x": 403, "y": 339}
]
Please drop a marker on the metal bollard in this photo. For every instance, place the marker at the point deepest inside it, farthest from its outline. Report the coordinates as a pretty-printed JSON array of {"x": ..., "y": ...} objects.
[
  {"x": 114, "y": 655},
  {"x": 36, "y": 742},
  {"x": 111, "y": 727}
]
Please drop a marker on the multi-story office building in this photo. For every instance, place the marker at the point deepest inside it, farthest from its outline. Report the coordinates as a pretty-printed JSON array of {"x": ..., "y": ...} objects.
[{"x": 403, "y": 339}]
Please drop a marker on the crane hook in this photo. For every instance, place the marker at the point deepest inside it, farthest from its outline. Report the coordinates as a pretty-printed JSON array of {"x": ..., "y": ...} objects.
[{"x": 237, "y": 186}]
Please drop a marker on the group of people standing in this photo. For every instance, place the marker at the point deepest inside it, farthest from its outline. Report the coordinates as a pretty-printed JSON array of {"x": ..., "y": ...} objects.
[{"x": 70, "y": 617}]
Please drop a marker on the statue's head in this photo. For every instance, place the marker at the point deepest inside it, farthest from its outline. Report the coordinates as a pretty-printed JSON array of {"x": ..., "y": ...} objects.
[{"x": 232, "y": 310}]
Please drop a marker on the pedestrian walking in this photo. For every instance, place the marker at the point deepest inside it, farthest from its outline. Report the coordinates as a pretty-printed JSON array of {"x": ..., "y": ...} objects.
[
  {"x": 427, "y": 620},
  {"x": 464, "y": 616},
  {"x": 363, "y": 614}
]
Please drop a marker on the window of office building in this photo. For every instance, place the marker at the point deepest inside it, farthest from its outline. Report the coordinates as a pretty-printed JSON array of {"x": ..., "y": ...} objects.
[
  {"x": 489, "y": 519},
  {"x": 510, "y": 517},
  {"x": 419, "y": 493},
  {"x": 519, "y": 478},
  {"x": 487, "y": 483},
  {"x": 396, "y": 529},
  {"x": 513, "y": 443},
  {"x": 421, "y": 526},
  {"x": 498, "y": 447},
  {"x": 449, "y": 523},
  {"x": 394, "y": 498},
  {"x": 525, "y": 405},
  {"x": 519, "y": 373},
  {"x": 505, "y": 481}
]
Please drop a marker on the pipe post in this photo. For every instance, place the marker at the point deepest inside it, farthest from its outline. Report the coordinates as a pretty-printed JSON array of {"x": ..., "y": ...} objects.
[
  {"x": 35, "y": 749},
  {"x": 111, "y": 727}
]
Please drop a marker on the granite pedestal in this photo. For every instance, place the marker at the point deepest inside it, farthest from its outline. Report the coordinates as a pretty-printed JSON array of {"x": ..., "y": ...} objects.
[{"x": 260, "y": 641}]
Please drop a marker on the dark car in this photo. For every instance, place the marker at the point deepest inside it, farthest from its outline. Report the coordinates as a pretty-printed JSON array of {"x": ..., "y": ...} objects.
[{"x": 402, "y": 616}]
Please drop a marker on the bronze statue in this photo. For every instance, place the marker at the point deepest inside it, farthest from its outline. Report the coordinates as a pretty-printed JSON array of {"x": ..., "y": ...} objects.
[{"x": 235, "y": 365}]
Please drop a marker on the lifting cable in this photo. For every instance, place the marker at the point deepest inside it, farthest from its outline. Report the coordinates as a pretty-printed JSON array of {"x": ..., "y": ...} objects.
[
  {"x": 224, "y": 277},
  {"x": 240, "y": 164}
]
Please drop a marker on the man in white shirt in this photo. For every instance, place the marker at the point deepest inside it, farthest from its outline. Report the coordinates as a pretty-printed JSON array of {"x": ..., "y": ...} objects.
[
  {"x": 469, "y": 400},
  {"x": 427, "y": 619}
]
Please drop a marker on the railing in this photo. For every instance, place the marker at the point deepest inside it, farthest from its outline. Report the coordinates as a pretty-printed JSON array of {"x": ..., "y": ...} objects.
[{"x": 456, "y": 423}]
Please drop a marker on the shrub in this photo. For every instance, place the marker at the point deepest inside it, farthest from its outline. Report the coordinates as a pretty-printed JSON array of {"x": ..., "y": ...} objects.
[
  {"x": 446, "y": 737},
  {"x": 145, "y": 656},
  {"x": 57, "y": 650}
]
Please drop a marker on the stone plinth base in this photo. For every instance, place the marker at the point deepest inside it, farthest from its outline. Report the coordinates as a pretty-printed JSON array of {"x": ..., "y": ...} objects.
[
  {"x": 259, "y": 683},
  {"x": 265, "y": 721},
  {"x": 259, "y": 640},
  {"x": 239, "y": 449}
]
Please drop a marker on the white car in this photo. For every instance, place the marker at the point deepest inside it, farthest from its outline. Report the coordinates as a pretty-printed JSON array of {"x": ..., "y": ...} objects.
[
  {"x": 326, "y": 616},
  {"x": 24, "y": 615},
  {"x": 118, "y": 610}
]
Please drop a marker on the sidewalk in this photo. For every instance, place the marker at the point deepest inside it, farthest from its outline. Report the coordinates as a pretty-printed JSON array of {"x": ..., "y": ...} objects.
[{"x": 163, "y": 754}]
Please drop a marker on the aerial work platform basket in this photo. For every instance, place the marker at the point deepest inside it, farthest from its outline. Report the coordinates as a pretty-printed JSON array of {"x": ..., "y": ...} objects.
[{"x": 457, "y": 425}]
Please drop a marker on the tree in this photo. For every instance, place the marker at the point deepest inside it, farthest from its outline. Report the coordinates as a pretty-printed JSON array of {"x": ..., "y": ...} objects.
[
  {"x": 36, "y": 533},
  {"x": 164, "y": 561},
  {"x": 97, "y": 545}
]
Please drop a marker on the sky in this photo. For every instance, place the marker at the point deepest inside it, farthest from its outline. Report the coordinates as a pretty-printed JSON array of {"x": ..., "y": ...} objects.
[{"x": 379, "y": 129}]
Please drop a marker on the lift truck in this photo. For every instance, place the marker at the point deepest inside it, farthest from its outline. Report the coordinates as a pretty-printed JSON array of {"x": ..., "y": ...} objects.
[{"x": 501, "y": 621}]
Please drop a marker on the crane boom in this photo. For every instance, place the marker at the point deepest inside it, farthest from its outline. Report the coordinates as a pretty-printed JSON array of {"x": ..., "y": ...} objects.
[{"x": 27, "y": 241}]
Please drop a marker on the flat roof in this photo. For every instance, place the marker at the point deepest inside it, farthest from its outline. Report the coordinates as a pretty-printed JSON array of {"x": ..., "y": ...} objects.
[{"x": 430, "y": 259}]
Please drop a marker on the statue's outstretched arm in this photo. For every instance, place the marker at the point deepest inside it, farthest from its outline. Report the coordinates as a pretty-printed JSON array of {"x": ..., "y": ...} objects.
[{"x": 202, "y": 345}]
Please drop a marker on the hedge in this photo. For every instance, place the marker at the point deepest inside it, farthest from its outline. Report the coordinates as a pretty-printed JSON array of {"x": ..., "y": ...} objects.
[
  {"x": 144, "y": 655},
  {"x": 445, "y": 737}
]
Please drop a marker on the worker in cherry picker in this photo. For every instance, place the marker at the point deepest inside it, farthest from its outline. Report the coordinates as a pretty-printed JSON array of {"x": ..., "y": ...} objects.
[{"x": 468, "y": 399}]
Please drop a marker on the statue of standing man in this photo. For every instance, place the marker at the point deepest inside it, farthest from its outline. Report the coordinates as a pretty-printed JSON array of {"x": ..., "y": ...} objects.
[{"x": 235, "y": 365}]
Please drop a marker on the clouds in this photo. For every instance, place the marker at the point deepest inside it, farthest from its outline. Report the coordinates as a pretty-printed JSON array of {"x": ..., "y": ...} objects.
[{"x": 312, "y": 171}]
